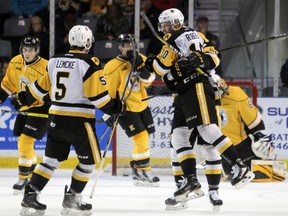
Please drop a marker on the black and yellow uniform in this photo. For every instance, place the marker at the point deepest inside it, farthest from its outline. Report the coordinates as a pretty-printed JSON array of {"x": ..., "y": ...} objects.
[
  {"x": 18, "y": 76},
  {"x": 137, "y": 121},
  {"x": 195, "y": 104},
  {"x": 77, "y": 86}
]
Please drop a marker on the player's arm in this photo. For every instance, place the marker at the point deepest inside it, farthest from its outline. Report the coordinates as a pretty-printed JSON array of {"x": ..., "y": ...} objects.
[
  {"x": 7, "y": 87},
  {"x": 250, "y": 115},
  {"x": 164, "y": 61},
  {"x": 36, "y": 91},
  {"x": 146, "y": 76},
  {"x": 96, "y": 90}
]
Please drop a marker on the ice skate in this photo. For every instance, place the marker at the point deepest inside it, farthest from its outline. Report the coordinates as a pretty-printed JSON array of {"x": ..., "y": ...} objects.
[
  {"x": 72, "y": 204},
  {"x": 30, "y": 204},
  {"x": 172, "y": 204},
  {"x": 19, "y": 186},
  {"x": 215, "y": 200},
  {"x": 144, "y": 178},
  {"x": 190, "y": 189},
  {"x": 241, "y": 175}
]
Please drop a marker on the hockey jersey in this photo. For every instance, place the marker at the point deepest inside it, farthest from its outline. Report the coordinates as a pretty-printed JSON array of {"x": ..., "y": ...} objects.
[
  {"x": 77, "y": 85},
  {"x": 238, "y": 114},
  {"x": 19, "y": 75},
  {"x": 185, "y": 40},
  {"x": 117, "y": 73}
]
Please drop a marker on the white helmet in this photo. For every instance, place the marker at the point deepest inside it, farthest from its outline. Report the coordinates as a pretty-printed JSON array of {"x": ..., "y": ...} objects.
[
  {"x": 81, "y": 36},
  {"x": 172, "y": 15}
]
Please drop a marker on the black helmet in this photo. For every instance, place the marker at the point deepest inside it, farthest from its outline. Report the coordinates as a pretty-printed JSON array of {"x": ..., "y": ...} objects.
[
  {"x": 125, "y": 38},
  {"x": 30, "y": 41}
]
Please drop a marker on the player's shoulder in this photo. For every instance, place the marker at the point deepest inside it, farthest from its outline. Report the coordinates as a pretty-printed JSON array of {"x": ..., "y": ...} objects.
[
  {"x": 236, "y": 93},
  {"x": 170, "y": 37},
  {"x": 17, "y": 59},
  {"x": 115, "y": 64}
]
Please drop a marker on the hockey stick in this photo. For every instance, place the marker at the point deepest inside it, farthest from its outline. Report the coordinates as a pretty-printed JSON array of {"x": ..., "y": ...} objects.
[
  {"x": 199, "y": 70},
  {"x": 115, "y": 122},
  {"x": 40, "y": 115},
  {"x": 256, "y": 42}
]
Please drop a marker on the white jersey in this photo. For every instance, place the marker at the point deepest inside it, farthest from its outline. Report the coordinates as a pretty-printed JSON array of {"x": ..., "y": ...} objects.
[{"x": 77, "y": 85}]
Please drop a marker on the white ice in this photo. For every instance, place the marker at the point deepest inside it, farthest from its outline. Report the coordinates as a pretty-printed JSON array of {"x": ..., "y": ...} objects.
[{"x": 117, "y": 196}]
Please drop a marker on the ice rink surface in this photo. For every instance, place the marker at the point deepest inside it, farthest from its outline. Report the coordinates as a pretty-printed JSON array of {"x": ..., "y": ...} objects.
[{"x": 118, "y": 196}]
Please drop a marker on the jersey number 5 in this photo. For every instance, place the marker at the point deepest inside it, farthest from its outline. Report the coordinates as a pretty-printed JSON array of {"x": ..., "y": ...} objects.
[{"x": 60, "y": 86}]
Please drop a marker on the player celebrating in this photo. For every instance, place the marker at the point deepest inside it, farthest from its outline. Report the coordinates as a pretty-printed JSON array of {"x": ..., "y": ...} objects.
[
  {"x": 77, "y": 85},
  {"x": 137, "y": 122},
  {"x": 22, "y": 70},
  {"x": 195, "y": 103}
]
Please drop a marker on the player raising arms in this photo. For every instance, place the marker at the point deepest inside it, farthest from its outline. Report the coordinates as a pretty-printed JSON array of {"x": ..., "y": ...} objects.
[
  {"x": 77, "y": 85},
  {"x": 195, "y": 101}
]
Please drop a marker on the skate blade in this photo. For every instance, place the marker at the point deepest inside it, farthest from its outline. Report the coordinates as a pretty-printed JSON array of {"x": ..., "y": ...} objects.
[
  {"x": 145, "y": 184},
  {"x": 216, "y": 208},
  {"x": 68, "y": 211},
  {"x": 31, "y": 211},
  {"x": 248, "y": 178},
  {"x": 197, "y": 193},
  {"x": 177, "y": 206},
  {"x": 18, "y": 192}
]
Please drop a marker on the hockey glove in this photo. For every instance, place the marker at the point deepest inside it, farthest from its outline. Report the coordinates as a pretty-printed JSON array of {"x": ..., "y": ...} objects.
[
  {"x": 138, "y": 61},
  {"x": 120, "y": 107},
  {"x": 18, "y": 100},
  {"x": 109, "y": 119},
  {"x": 149, "y": 64},
  {"x": 261, "y": 145},
  {"x": 194, "y": 60}
]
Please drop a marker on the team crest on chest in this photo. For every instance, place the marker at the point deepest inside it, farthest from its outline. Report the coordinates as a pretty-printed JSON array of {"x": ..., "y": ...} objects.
[
  {"x": 224, "y": 117},
  {"x": 23, "y": 83}
]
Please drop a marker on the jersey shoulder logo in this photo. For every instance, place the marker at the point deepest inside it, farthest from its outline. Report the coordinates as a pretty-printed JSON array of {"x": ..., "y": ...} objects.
[
  {"x": 95, "y": 60},
  {"x": 167, "y": 36}
]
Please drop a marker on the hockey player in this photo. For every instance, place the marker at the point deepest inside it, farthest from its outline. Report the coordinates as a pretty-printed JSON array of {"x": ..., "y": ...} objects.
[
  {"x": 23, "y": 69},
  {"x": 137, "y": 122},
  {"x": 243, "y": 124},
  {"x": 195, "y": 103},
  {"x": 77, "y": 85}
]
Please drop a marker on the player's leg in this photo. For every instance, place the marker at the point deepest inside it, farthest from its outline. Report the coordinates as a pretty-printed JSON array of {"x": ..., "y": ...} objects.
[
  {"x": 138, "y": 126},
  {"x": 213, "y": 174},
  {"x": 28, "y": 129},
  {"x": 57, "y": 150},
  {"x": 88, "y": 153},
  {"x": 211, "y": 133}
]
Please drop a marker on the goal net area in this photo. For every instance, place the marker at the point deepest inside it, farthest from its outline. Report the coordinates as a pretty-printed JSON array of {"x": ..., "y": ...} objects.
[{"x": 160, "y": 102}]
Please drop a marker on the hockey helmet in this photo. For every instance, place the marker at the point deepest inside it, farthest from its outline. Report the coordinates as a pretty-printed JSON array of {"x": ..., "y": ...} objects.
[
  {"x": 81, "y": 36},
  {"x": 125, "y": 38},
  {"x": 172, "y": 15},
  {"x": 30, "y": 41},
  {"x": 221, "y": 85}
]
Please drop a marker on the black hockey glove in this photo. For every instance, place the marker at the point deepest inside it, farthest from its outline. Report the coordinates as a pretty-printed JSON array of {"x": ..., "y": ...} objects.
[
  {"x": 194, "y": 60},
  {"x": 138, "y": 61},
  {"x": 18, "y": 100},
  {"x": 109, "y": 119},
  {"x": 149, "y": 64},
  {"x": 120, "y": 107}
]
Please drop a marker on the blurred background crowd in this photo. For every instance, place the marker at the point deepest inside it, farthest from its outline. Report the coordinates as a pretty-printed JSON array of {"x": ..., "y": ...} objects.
[{"x": 225, "y": 23}]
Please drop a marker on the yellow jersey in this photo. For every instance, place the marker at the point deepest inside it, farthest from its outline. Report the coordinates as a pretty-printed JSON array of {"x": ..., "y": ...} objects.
[
  {"x": 117, "y": 72},
  {"x": 238, "y": 115},
  {"x": 19, "y": 75}
]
